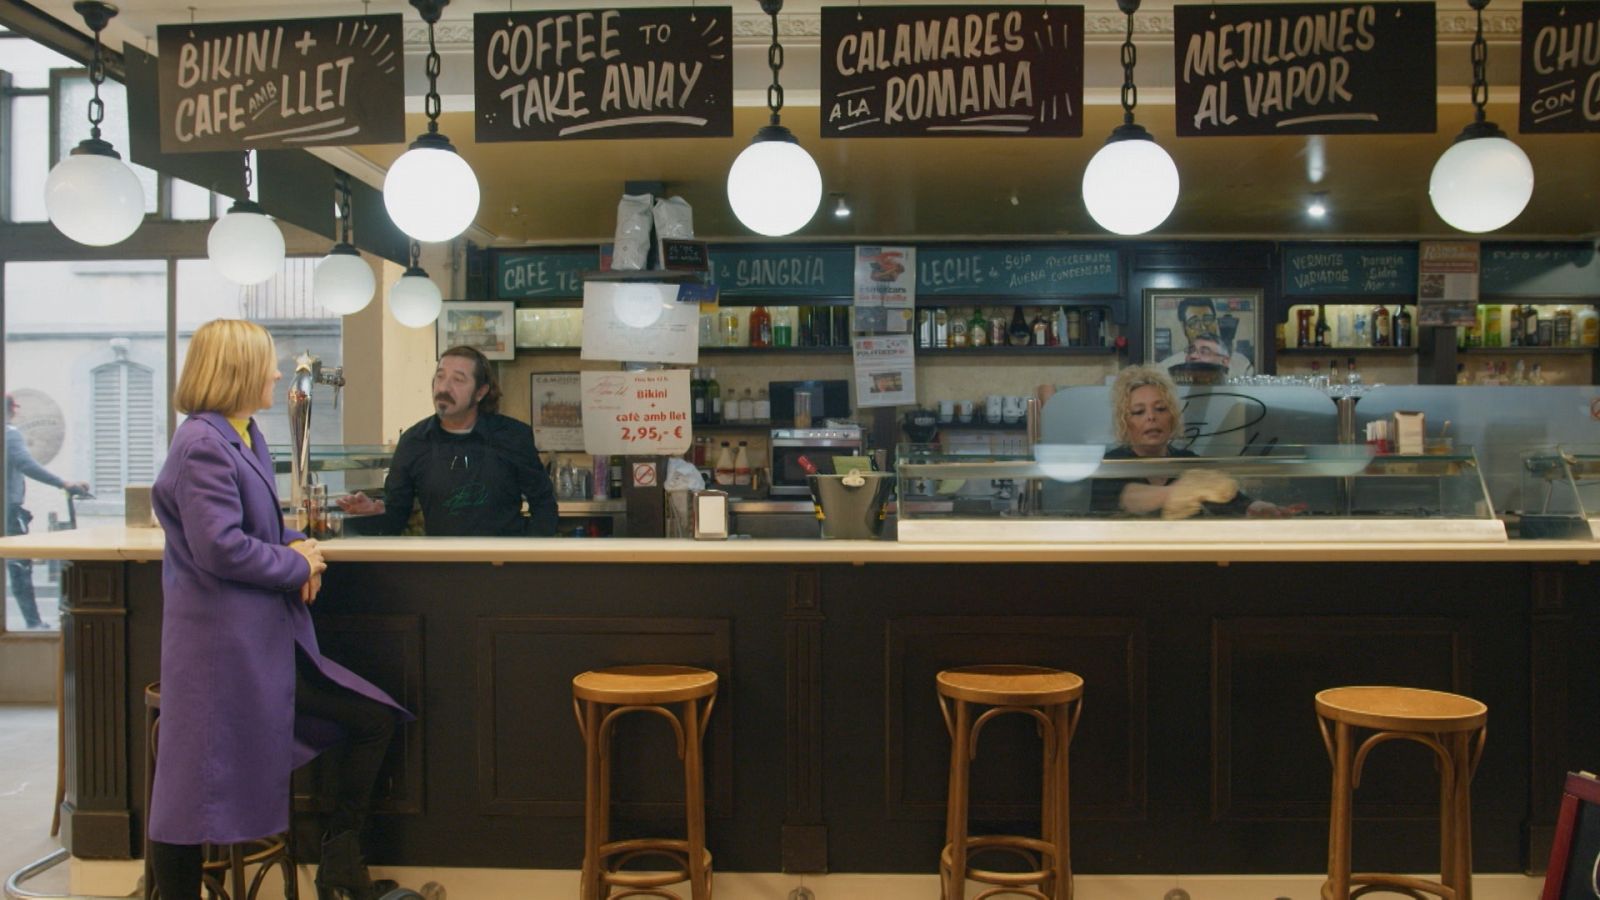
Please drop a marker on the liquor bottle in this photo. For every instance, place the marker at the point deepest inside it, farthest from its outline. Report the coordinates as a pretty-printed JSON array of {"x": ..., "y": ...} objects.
[
  {"x": 760, "y": 327},
  {"x": 958, "y": 330},
  {"x": 1380, "y": 326},
  {"x": 1402, "y": 328},
  {"x": 998, "y": 329},
  {"x": 730, "y": 328},
  {"x": 1020, "y": 332},
  {"x": 1360, "y": 336},
  {"x": 697, "y": 394},
  {"x": 924, "y": 329},
  {"x": 807, "y": 331},
  {"x": 1493, "y": 326},
  {"x": 941, "y": 328},
  {"x": 741, "y": 465},
  {"x": 1530, "y": 325},
  {"x": 713, "y": 398},
  {"x": 763, "y": 406},
  {"x": 1302, "y": 328},
  {"x": 1041, "y": 330},
  {"x": 723, "y": 472},
  {"x": 1351, "y": 376},
  {"x": 783, "y": 327},
  {"x": 747, "y": 406},
  {"x": 1320, "y": 335},
  {"x": 977, "y": 329},
  {"x": 1587, "y": 326},
  {"x": 1079, "y": 330},
  {"x": 1563, "y": 329}
]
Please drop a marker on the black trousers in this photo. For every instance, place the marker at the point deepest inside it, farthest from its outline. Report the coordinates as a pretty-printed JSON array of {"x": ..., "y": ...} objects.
[{"x": 351, "y": 769}]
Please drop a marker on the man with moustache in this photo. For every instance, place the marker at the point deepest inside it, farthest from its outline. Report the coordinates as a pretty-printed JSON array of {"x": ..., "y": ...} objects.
[{"x": 467, "y": 466}]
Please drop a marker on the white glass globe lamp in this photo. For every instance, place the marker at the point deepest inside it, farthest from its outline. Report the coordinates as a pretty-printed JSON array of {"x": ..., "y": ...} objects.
[
  {"x": 415, "y": 300},
  {"x": 93, "y": 197},
  {"x": 1482, "y": 181},
  {"x": 1131, "y": 185},
  {"x": 245, "y": 245},
  {"x": 430, "y": 192},
  {"x": 774, "y": 186},
  {"x": 343, "y": 282}
]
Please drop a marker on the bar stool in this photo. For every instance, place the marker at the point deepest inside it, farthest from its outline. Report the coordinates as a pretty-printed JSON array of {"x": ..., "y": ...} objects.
[
  {"x": 1453, "y": 727},
  {"x": 231, "y": 864},
  {"x": 599, "y": 698},
  {"x": 1055, "y": 699}
]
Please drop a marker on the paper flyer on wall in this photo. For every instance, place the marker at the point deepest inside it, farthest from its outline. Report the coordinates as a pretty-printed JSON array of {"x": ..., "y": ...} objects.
[
  {"x": 886, "y": 370},
  {"x": 1447, "y": 283},
  {"x": 555, "y": 410},
  {"x": 886, "y": 276},
  {"x": 637, "y": 413},
  {"x": 632, "y": 321}
]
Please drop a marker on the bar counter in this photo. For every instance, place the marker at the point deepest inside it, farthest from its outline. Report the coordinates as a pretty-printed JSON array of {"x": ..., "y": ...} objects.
[{"x": 1198, "y": 750}]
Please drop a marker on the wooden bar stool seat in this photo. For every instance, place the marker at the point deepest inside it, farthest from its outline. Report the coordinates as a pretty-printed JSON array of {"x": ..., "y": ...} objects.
[
  {"x": 228, "y": 872},
  {"x": 599, "y": 698},
  {"x": 1453, "y": 727},
  {"x": 1054, "y": 698}
]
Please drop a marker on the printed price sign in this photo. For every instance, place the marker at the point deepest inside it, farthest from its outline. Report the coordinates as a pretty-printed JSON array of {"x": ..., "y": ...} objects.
[{"x": 637, "y": 413}]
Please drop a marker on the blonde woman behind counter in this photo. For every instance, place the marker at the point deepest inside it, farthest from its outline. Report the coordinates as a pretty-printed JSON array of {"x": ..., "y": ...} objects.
[{"x": 1144, "y": 418}]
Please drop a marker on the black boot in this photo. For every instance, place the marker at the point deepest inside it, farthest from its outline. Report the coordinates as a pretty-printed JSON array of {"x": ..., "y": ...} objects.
[{"x": 342, "y": 874}]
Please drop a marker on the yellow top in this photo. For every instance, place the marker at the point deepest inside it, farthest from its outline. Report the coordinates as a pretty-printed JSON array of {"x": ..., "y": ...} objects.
[{"x": 243, "y": 427}]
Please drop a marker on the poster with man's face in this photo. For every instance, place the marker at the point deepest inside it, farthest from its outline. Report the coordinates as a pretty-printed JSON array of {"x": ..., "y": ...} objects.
[{"x": 1217, "y": 329}]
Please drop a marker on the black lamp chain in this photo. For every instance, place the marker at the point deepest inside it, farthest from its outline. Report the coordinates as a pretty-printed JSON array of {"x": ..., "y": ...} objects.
[
  {"x": 97, "y": 76},
  {"x": 249, "y": 179},
  {"x": 1130, "y": 57},
  {"x": 775, "y": 62},
  {"x": 430, "y": 103},
  {"x": 342, "y": 190},
  {"x": 1480, "y": 77},
  {"x": 416, "y": 255}
]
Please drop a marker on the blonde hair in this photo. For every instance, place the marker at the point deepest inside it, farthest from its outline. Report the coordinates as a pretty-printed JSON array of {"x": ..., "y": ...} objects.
[
  {"x": 228, "y": 365},
  {"x": 1131, "y": 379}
]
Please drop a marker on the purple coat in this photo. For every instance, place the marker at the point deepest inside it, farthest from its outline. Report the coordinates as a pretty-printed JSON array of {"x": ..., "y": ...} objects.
[{"x": 231, "y": 620}]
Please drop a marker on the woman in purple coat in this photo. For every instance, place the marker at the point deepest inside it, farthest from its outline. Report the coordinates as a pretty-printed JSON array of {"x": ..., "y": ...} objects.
[{"x": 245, "y": 694}]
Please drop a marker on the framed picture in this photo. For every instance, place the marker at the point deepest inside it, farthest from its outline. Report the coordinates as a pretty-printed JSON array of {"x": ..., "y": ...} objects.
[
  {"x": 555, "y": 410},
  {"x": 1203, "y": 335},
  {"x": 485, "y": 326}
]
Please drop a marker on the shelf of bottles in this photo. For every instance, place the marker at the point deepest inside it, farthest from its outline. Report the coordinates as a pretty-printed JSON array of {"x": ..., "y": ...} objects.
[
  {"x": 712, "y": 407},
  {"x": 1014, "y": 330},
  {"x": 1314, "y": 329},
  {"x": 1531, "y": 328},
  {"x": 768, "y": 329}
]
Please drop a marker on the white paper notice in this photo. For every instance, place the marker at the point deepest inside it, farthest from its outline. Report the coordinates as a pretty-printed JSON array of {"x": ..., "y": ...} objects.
[
  {"x": 886, "y": 370},
  {"x": 633, "y": 321},
  {"x": 637, "y": 413},
  {"x": 886, "y": 276},
  {"x": 556, "y": 410}
]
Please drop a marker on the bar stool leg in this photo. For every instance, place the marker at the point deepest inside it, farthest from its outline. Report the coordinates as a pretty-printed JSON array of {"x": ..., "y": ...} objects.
[
  {"x": 594, "y": 797},
  {"x": 1460, "y": 814},
  {"x": 1337, "y": 886},
  {"x": 694, "y": 803},
  {"x": 955, "y": 831},
  {"x": 1058, "y": 805}
]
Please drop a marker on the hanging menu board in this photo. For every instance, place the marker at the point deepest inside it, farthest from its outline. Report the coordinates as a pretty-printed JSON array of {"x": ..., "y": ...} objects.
[
  {"x": 552, "y": 274},
  {"x": 1323, "y": 270},
  {"x": 952, "y": 71},
  {"x": 1560, "y": 67},
  {"x": 1541, "y": 270},
  {"x": 294, "y": 83},
  {"x": 777, "y": 271},
  {"x": 1304, "y": 68},
  {"x": 547, "y": 75},
  {"x": 1037, "y": 270}
]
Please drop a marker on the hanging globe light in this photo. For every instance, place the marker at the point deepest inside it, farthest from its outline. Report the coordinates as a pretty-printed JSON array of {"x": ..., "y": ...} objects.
[
  {"x": 774, "y": 186},
  {"x": 92, "y": 196},
  {"x": 1483, "y": 180},
  {"x": 415, "y": 300},
  {"x": 430, "y": 192},
  {"x": 245, "y": 245},
  {"x": 343, "y": 281},
  {"x": 1131, "y": 184}
]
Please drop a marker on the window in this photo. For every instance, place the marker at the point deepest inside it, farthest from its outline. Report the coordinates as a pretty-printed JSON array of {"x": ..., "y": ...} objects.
[{"x": 124, "y": 422}]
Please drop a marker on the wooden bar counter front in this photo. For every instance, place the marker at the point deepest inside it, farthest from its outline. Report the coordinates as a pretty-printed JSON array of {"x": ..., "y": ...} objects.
[{"x": 1198, "y": 749}]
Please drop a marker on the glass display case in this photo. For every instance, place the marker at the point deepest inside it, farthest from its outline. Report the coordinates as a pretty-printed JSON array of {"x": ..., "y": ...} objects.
[
  {"x": 1561, "y": 492},
  {"x": 1276, "y": 493}
]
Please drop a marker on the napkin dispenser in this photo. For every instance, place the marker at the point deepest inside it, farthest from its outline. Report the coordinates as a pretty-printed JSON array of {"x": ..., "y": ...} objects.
[{"x": 711, "y": 516}]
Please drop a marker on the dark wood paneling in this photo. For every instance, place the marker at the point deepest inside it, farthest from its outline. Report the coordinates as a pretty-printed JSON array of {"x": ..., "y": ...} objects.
[
  {"x": 524, "y": 770},
  {"x": 805, "y": 837},
  {"x": 96, "y": 820}
]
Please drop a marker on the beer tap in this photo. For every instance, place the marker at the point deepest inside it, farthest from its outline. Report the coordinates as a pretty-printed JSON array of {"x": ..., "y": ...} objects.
[{"x": 308, "y": 371}]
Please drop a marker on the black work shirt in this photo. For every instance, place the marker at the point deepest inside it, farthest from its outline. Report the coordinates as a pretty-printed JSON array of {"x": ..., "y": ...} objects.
[
  {"x": 1105, "y": 494},
  {"x": 468, "y": 485}
]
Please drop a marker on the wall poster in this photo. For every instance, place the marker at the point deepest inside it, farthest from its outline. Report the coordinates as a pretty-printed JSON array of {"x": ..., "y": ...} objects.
[
  {"x": 555, "y": 409},
  {"x": 1187, "y": 332}
]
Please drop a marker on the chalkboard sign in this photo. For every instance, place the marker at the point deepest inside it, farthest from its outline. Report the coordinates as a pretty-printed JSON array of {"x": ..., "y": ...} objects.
[
  {"x": 549, "y": 75},
  {"x": 293, "y": 83},
  {"x": 1304, "y": 68},
  {"x": 546, "y": 274},
  {"x": 952, "y": 71},
  {"x": 1033, "y": 271},
  {"x": 775, "y": 271},
  {"x": 1560, "y": 67},
  {"x": 1328, "y": 270},
  {"x": 1540, "y": 270}
]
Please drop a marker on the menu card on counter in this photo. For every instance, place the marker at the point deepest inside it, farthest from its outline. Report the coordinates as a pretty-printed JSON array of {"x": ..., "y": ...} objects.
[
  {"x": 637, "y": 413},
  {"x": 631, "y": 321},
  {"x": 291, "y": 83}
]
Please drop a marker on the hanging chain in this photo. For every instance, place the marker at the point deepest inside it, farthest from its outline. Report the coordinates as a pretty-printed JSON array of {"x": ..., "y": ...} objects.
[
  {"x": 1480, "y": 77},
  {"x": 775, "y": 62},
  {"x": 430, "y": 103},
  {"x": 416, "y": 255},
  {"x": 248, "y": 178},
  {"x": 342, "y": 191},
  {"x": 1130, "y": 91},
  {"x": 97, "y": 76}
]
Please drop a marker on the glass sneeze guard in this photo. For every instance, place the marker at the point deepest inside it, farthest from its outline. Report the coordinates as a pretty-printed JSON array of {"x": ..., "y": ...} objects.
[{"x": 1069, "y": 493}]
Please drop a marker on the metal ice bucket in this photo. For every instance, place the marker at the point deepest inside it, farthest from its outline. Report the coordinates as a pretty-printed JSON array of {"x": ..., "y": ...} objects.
[{"x": 851, "y": 507}]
